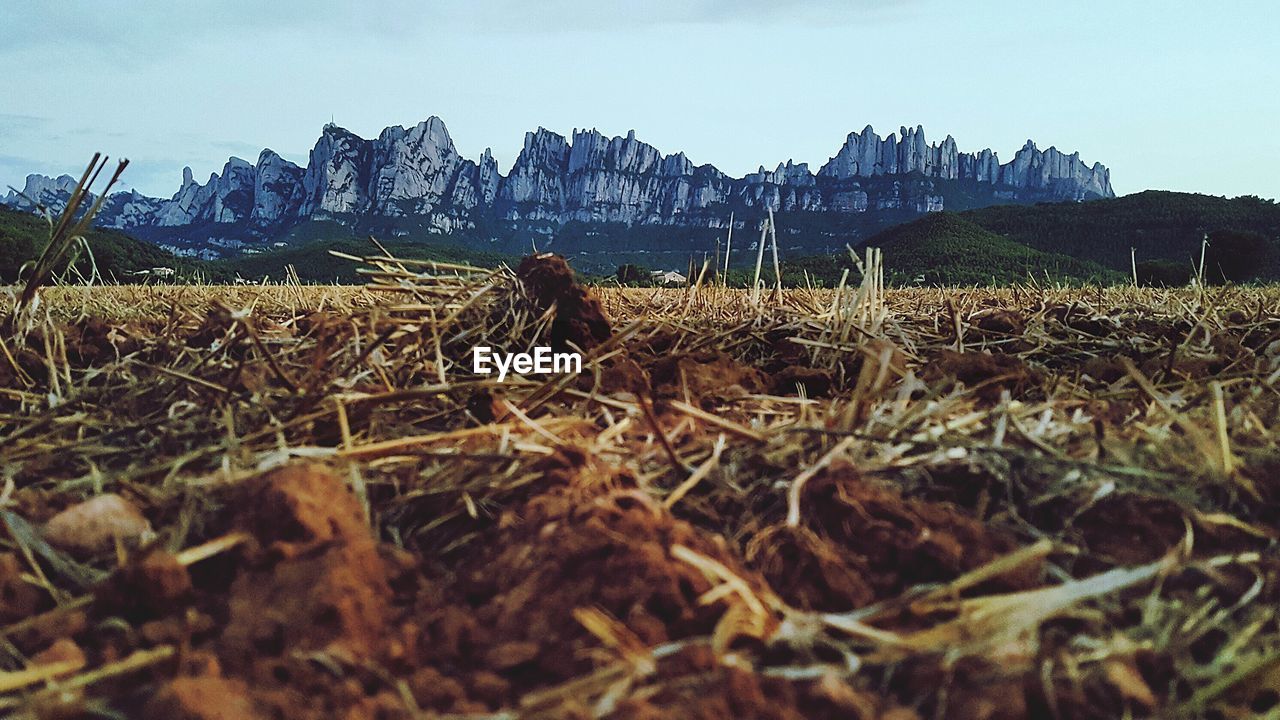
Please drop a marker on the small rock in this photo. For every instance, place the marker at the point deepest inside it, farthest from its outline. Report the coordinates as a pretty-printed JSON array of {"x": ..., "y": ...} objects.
[{"x": 94, "y": 525}]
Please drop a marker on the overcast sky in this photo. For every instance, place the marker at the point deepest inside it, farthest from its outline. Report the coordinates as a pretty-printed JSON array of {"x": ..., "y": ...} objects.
[{"x": 1173, "y": 95}]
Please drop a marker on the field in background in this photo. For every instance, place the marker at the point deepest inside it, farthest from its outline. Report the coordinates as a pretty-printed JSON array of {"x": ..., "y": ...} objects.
[
  {"x": 123, "y": 302},
  {"x": 897, "y": 504}
]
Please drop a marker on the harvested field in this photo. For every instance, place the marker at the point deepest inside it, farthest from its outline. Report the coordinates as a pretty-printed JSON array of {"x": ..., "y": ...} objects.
[{"x": 300, "y": 502}]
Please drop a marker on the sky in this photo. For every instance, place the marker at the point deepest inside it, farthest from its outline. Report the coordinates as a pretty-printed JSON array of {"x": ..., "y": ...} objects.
[{"x": 1169, "y": 95}]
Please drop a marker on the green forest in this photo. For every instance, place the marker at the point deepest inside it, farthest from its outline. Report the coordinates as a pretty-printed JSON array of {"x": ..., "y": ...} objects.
[
  {"x": 1158, "y": 225},
  {"x": 1088, "y": 242},
  {"x": 945, "y": 249},
  {"x": 116, "y": 256}
]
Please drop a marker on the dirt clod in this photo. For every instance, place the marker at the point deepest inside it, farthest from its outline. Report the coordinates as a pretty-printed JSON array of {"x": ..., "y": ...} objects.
[
  {"x": 989, "y": 373},
  {"x": 580, "y": 319},
  {"x": 704, "y": 377},
  {"x": 1000, "y": 321},
  {"x": 202, "y": 698},
  {"x": 860, "y": 542},
  {"x": 152, "y": 584},
  {"x": 319, "y": 579},
  {"x": 19, "y": 596},
  {"x": 63, "y": 650}
]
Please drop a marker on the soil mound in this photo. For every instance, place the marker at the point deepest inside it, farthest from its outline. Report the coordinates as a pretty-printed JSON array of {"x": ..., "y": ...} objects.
[
  {"x": 580, "y": 319},
  {"x": 707, "y": 376},
  {"x": 316, "y": 581},
  {"x": 612, "y": 554},
  {"x": 988, "y": 373},
  {"x": 859, "y": 542}
]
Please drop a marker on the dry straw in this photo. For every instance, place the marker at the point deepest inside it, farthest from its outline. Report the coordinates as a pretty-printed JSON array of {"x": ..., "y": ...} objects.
[{"x": 194, "y": 389}]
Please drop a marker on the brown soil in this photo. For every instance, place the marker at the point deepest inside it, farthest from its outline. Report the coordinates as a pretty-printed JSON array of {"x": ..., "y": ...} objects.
[
  {"x": 152, "y": 584},
  {"x": 989, "y": 374},
  {"x": 202, "y": 698},
  {"x": 706, "y": 377},
  {"x": 1129, "y": 529},
  {"x": 315, "y": 581},
  {"x": 18, "y": 596},
  {"x": 999, "y": 321},
  {"x": 611, "y": 553},
  {"x": 429, "y": 551},
  {"x": 859, "y": 542}
]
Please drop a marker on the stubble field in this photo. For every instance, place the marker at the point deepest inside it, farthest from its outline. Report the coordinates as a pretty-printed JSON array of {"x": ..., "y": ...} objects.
[{"x": 299, "y": 502}]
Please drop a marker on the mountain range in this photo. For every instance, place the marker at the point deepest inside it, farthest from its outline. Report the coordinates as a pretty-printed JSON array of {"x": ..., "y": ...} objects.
[{"x": 413, "y": 179}]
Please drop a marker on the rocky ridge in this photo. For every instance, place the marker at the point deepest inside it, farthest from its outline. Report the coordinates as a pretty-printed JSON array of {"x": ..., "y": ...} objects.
[{"x": 417, "y": 172}]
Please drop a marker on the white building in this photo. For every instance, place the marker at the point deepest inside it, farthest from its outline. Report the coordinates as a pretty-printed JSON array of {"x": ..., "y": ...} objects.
[{"x": 669, "y": 277}]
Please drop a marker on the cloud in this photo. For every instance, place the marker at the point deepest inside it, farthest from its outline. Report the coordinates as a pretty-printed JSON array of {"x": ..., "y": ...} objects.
[
  {"x": 10, "y": 122},
  {"x": 151, "y": 27}
]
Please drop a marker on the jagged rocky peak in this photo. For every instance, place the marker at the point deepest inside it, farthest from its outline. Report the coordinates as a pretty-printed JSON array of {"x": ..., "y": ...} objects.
[
  {"x": 233, "y": 191},
  {"x": 125, "y": 210},
  {"x": 417, "y": 171},
  {"x": 475, "y": 184},
  {"x": 413, "y": 168},
  {"x": 539, "y": 171},
  {"x": 546, "y": 149},
  {"x": 676, "y": 165},
  {"x": 51, "y": 192},
  {"x": 487, "y": 177},
  {"x": 277, "y": 191},
  {"x": 793, "y": 173},
  {"x": 1066, "y": 176},
  {"x": 591, "y": 150},
  {"x": 185, "y": 204},
  {"x": 335, "y": 182},
  {"x": 865, "y": 154}
]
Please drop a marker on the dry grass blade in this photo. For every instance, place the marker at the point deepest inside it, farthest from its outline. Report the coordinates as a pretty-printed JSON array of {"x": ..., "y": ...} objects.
[
  {"x": 71, "y": 226},
  {"x": 801, "y": 503}
]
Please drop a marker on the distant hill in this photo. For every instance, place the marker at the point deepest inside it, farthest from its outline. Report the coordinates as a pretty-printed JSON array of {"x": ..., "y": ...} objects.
[
  {"x": 116, "y": 255},
  {"x": 121, "y": 258},
  {"x": 945, "y": 249},
  {"x": 1158, "y": 224},
  {"x": 1070, "y": 241},
  {"x": 314, "y": 261}
]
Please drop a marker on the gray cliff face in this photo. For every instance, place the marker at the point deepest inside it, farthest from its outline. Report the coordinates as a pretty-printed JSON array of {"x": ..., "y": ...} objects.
[
  {"x": 417, "y": 172},
  {"x": 537, "y": 178},
  {"x": 628, "y": 181},
  {"x": 476, "y": 184},
  {"x": 42, "y": 190},
  {"x": 1064, "y": 177},
  {"x": 411, "y": 170},
  {"x": 277, "y": 190},
  {"x": 336, "y": 180},
  {"x": 130, "y": 210},
  {"x": 233, "y": 192},
  {"x": 186, "y": 204}
]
